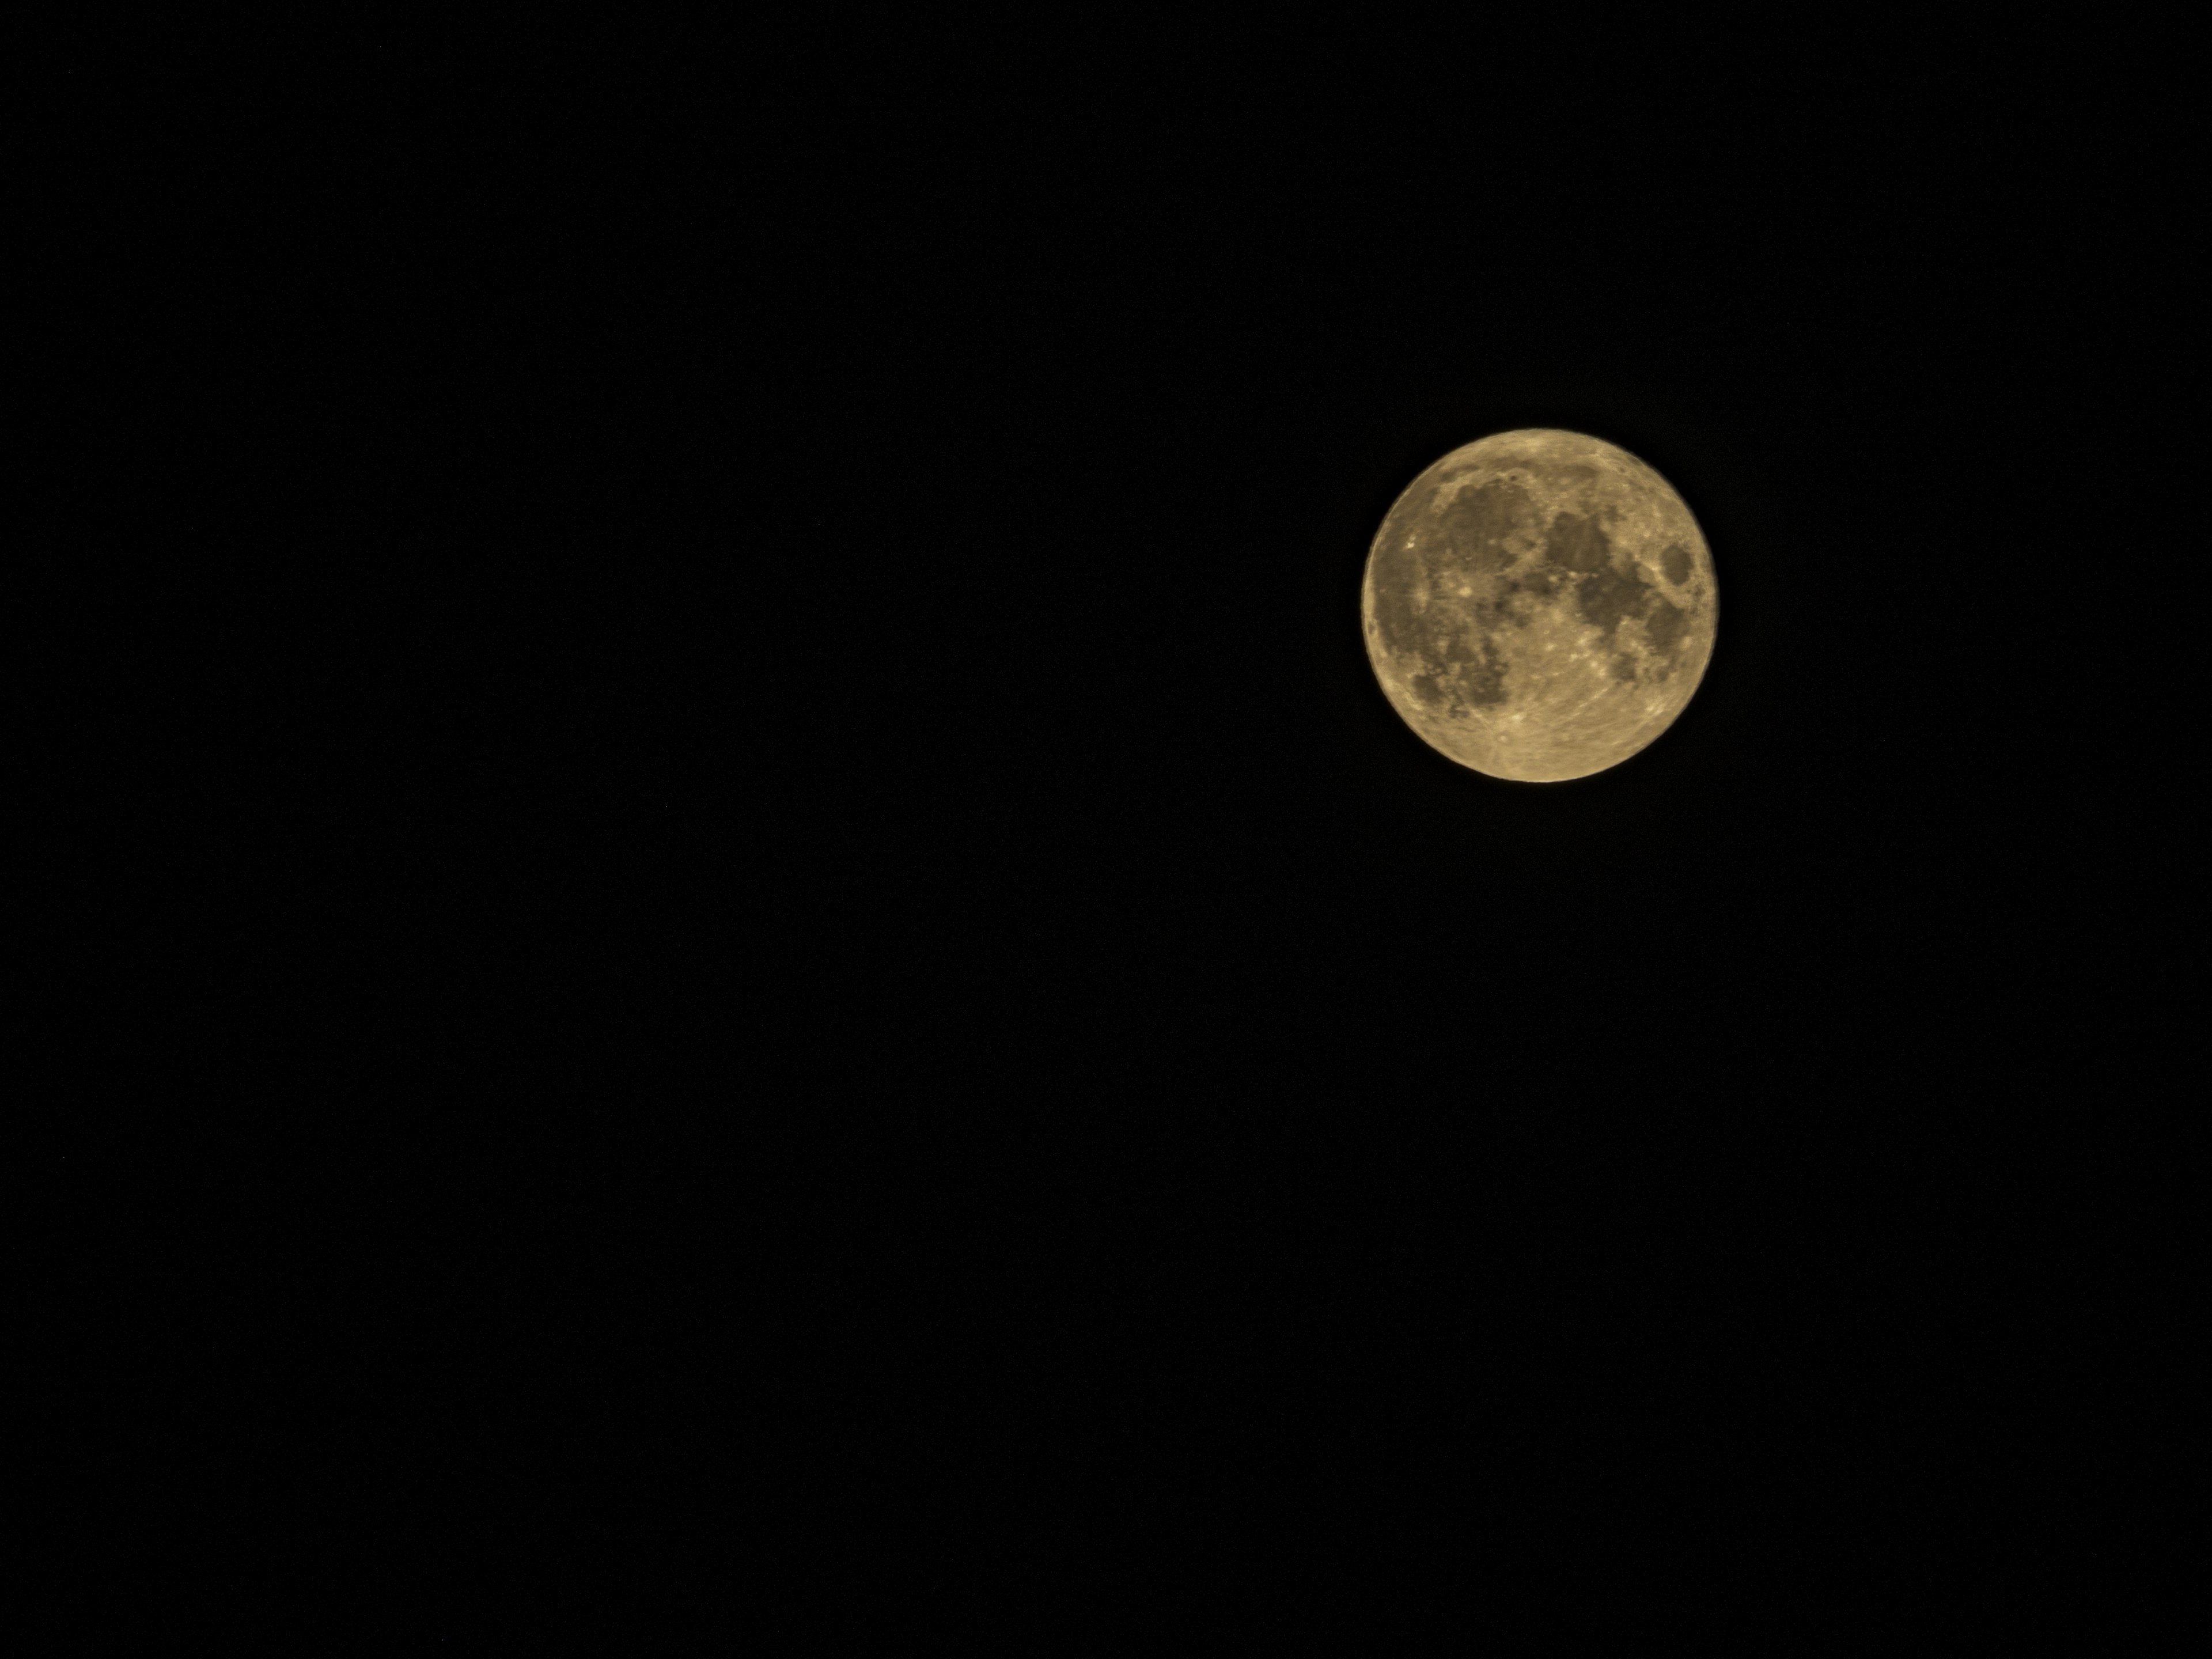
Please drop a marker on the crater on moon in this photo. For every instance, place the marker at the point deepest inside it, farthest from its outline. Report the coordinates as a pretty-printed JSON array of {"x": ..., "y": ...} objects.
[{"x": 1539, "y": 605}]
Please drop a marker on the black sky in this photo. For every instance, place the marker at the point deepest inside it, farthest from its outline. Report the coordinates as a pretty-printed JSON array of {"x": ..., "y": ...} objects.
[
  {"x": 757, "y": 725},
  {"x": 898, "y": 600}
]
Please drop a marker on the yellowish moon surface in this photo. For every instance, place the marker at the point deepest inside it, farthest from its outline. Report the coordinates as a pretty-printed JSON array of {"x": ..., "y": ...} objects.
[{"x": 1540, "y": 605}]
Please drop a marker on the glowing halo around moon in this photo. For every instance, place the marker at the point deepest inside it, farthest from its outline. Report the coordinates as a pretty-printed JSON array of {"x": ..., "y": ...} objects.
[{"x": 1539, "y": 605}]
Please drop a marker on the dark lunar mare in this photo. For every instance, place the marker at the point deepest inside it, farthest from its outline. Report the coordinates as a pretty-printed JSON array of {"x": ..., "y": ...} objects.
[
  {"x": 1664, "y": 627},
  {"x": 1476, "y": 525},
  {"x": 1422, "y": 547},
  {"x": 1609, "y": 597},
  {"x": 1537, "y": 583},
  {"x": 1577, "y": 543}
]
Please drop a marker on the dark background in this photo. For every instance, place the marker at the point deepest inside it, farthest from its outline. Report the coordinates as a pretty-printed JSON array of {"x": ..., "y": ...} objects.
[{"x": 764, "y": 870}]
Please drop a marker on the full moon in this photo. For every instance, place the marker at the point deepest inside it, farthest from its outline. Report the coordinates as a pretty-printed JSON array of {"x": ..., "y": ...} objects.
[{"x": 1539, "y": 605}]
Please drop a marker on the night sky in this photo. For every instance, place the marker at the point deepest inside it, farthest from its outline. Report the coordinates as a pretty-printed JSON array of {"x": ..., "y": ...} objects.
[{"x": 763, "y": 764}]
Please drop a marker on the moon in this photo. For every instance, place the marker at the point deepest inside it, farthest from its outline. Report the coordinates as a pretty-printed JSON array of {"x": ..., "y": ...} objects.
[{"x": 1539, "y": 605}]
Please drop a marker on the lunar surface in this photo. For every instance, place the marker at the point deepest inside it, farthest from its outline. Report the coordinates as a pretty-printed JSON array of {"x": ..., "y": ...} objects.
[{"x": 1539, "y": 605}]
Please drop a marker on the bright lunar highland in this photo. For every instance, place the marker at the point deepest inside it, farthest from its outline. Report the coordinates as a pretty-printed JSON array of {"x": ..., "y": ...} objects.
[{"x": 1539, "y": 605}]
